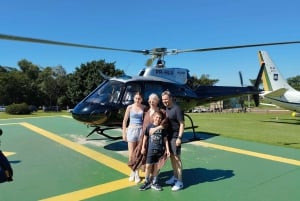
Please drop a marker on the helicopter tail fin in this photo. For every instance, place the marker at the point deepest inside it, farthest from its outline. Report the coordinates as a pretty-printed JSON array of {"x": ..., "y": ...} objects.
[{"x": 272, "y": 79}]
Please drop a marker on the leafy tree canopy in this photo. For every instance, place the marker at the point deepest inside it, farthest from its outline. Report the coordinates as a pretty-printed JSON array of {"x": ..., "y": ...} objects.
[{"x": 86, "y": 78}]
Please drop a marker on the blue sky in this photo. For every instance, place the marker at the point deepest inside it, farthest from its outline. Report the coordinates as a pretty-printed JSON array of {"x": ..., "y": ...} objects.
[{"x": 138, "y": 24}]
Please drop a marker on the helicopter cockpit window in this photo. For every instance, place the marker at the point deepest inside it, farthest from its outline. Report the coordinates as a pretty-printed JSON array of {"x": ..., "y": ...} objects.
[
  {"x": 130, "y": 91},
  {"x": 107, "y": 93}
]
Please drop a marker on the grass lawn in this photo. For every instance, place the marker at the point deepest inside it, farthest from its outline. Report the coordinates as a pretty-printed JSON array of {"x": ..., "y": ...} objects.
[{"x": 272, "y": 128}]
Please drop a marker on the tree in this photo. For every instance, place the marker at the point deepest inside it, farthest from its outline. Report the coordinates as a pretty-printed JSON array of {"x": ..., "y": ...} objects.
[
  {"x": 31, "y": 70},
  {"x": 88, "y": 77},
  {"x": 13, "y": 87},
  {"x": 53, "y": 83},
  {"x": 61, "y": 84},
  {"x": 202, "y": 81},
  {"x": 49, "y": 86},
  {"x": 19, "y": 86},
  {"x": 294, "y": 82}
]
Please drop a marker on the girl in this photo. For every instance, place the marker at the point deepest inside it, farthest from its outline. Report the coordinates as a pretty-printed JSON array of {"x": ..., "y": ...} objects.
[{"x": 131, "y": 134}]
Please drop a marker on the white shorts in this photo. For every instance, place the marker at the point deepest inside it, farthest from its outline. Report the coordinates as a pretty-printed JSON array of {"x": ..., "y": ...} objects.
[{"x": 134, "y": 133}]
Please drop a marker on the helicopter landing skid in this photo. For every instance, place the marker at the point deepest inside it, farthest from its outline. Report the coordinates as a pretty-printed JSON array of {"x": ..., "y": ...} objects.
[
  {"x": 100, "y": 131},
  {"x": 192, "y": 127}
]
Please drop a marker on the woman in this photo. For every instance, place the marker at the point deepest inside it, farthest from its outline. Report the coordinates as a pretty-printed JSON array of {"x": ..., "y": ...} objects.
[
  {"x": 135, "y": 114},
  {"x": 138, "y": 159},
  {"x": 153, "y": 101}
]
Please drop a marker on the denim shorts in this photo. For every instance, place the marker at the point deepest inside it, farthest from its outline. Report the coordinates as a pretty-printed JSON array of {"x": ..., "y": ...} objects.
[{"x": 134, "y": 133}]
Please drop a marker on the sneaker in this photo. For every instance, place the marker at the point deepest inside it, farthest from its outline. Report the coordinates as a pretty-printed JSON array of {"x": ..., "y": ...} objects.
[
  {"x": 156, "y": 186},
  {"x": 171, "y": 181},
  {"x": 145, "y": 186},
  {"x": 131, "y": 177},
  {"x": 137, "y": 178},
  {"x": 178, "y": 185}
]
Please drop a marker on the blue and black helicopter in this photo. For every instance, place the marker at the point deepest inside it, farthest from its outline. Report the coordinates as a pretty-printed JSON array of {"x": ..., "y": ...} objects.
[{"x": 104, "y": 107}]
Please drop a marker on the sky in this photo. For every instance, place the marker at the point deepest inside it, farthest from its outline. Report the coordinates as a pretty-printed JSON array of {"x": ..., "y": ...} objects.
[{"x": 139, "y": 25}]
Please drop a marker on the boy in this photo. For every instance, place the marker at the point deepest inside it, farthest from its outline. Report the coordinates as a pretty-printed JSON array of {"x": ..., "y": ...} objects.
[{"x": 157, "y": 143}]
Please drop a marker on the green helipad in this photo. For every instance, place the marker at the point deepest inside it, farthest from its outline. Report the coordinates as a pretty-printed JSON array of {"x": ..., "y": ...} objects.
[{"x": 53, "y": 160}]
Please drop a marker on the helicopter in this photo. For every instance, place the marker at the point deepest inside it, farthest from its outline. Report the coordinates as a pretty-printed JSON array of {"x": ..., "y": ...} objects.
[{"x": 105, "y": 106}]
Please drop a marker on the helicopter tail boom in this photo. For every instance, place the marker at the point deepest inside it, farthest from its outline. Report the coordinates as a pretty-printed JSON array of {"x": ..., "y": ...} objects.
[{"x": 208, "y": 94}]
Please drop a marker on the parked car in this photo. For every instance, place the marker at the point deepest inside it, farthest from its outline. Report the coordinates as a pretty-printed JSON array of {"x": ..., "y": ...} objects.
[
  {"x": 200, "y": 109},
  {"x": 2, "y": 108}
]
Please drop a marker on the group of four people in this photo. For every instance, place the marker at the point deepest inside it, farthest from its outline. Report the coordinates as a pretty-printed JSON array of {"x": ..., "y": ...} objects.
[{"x": 152, "y": 135}]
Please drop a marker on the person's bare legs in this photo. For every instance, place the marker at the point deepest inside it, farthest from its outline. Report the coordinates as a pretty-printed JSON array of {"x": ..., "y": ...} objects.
[
  {"x": 177, "y": 166},
  {"x": 134, "y": 175}
]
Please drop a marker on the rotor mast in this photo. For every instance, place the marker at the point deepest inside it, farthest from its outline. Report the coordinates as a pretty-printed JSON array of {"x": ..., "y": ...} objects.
[{"x": 159, "y": 54}]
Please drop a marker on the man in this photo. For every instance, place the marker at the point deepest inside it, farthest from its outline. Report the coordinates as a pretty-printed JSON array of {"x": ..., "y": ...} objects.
[{"x": 175, "y": 132}]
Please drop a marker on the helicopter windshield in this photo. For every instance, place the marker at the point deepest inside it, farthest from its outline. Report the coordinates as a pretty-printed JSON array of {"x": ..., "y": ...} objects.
[
  {"x": 131, "y": 90},
  {"x": 109, "y": 92}
]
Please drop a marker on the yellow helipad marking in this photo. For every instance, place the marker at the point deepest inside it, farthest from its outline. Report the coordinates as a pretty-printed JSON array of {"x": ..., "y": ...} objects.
[
  {"x": 8, "y": 153},
  {"x": 251, "y": 153},
  {"x": 101, "y": 158},
  {"x": 122, "y": 167},
  {"x": 93, "y": 191}
]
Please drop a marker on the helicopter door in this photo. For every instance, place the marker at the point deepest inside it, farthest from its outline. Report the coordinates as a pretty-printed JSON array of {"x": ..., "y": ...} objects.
[{"x": 130, "y": 91}]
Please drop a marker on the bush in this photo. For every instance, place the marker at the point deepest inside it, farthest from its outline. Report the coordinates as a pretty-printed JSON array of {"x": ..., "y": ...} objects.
[{"x": 21, "y": 108}]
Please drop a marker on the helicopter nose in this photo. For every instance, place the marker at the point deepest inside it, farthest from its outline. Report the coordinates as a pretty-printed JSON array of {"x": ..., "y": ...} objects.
[{"x": 91, "y": 113}]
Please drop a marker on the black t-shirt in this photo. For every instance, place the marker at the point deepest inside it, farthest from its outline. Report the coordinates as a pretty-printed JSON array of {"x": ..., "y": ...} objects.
[
  {"x": 156, "y": 140},
  {"x": 175, "y": 116}
]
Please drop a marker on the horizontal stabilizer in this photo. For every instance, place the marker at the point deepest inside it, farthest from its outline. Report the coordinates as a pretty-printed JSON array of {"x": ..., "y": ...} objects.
[{"x": 277, "y": 93}]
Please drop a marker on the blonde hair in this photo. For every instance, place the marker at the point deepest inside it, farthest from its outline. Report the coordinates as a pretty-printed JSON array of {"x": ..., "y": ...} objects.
[{"x": 154, "y": 96}]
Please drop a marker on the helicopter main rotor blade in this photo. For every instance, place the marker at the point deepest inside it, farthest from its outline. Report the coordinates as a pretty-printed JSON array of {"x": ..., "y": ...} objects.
[
  {"x": 156, "y": 52},
  {"x": 36, "y": 40},
  {"x": 235, "y": 47}
]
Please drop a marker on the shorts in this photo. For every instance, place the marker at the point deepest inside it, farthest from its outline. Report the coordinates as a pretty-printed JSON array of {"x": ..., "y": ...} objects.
[
  {"x": 175, "y": 150},
  {"x": 153, "y": 158},
  {"x": 134, "y": 133}
]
